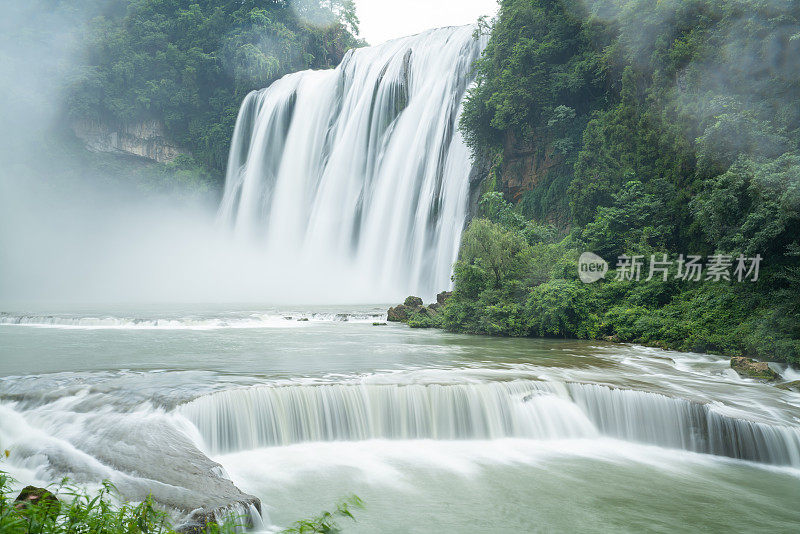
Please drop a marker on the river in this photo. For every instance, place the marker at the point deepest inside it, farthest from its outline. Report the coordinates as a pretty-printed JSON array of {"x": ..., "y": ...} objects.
[{"x": 303, "y": 406}]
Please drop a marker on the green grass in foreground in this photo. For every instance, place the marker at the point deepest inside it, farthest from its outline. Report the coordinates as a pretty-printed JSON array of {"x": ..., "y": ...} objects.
[{"x": 78, "y": 512}]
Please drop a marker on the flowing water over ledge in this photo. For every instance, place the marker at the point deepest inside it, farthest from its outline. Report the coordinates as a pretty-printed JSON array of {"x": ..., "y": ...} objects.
[
  {"x": 429, "y": 428},
  {"x": 256, "y": 417},
  {"x": 361, "y": 169}
]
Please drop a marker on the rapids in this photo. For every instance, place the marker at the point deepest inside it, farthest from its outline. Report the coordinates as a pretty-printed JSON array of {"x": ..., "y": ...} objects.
[{"x": 302, "y": 413}]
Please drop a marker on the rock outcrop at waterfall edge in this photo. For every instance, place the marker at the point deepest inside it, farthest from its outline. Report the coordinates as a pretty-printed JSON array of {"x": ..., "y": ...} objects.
[
  {"x": 750, "y": 368},
  {"x": 415, "y": 314}
]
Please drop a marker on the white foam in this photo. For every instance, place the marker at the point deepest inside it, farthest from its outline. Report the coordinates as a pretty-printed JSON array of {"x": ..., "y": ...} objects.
[{"x": 251, "y": 321}]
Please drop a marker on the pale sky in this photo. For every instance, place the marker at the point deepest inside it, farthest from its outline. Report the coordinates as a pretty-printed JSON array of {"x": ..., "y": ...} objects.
[{"x": 382, "y": 20}]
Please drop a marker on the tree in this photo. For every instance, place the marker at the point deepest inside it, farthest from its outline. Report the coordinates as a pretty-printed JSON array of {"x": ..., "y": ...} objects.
[{"x": 494, "y": 249}]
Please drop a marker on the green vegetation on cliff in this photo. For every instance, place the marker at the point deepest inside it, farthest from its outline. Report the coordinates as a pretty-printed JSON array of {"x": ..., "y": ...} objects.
[
  {"x": 648, "y": 128},
  {"x": 189, "y": 63}
]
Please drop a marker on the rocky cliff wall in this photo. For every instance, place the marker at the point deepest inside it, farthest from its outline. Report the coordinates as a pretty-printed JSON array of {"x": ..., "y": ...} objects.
[{"x": 145, "y": 139}]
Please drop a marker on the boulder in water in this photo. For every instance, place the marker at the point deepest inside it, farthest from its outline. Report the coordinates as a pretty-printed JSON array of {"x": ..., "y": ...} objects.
[
  {"x": 750, "y": 368},
  {"x": 441, "y": 298},
  {"x": 399, "y": 314},
  {"x": 430, "y": 311},
  {"x": 203, "y": 520},
  {"x": 790, "y": 386},
  {"x": 416, "y": 314}
]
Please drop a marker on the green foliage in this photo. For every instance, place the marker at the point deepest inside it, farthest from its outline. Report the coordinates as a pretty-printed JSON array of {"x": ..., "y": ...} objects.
[
  {"x": 493, "y": 249},
  {"x": 558, "y": 308},
  {"x": 540, "y": 295},
  {"x": 672, "y": 127},
  {"x": 539, "y": 66},
  {"x": 189, "y": 63},
  {"x": 83, "y": 513},
  {"x": 752, "y": 207},
  {"x": 424, "y": 319},
  {"x": 79, "y": 512},
  {"x": 636, "y": 221},
  {"x": 325, "y": 523}
]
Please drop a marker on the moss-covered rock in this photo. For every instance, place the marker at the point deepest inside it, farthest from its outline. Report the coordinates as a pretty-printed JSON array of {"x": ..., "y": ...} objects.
[
  {"x": 441, "y": 298},
  {"x": 38, "y": 498},
  {"x": 416, "y": 314},
  {"x": 750, "y": 368},
  {"x": 413, "y": 302},
  {"x": 399, "y": 314},
  {"x": 790, "y": 386}
]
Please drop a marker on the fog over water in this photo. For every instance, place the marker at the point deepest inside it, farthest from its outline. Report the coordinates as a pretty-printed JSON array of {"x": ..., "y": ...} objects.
[{"x": 73, "y": 232}]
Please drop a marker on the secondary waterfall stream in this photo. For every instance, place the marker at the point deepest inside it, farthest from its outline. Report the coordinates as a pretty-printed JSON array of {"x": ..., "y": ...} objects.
[
  {"x": 360, "y": 169},
  {"x": 274, "y": 416}
]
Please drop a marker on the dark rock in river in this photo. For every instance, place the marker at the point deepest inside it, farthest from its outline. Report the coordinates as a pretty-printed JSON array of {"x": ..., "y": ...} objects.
[
  {"x": 413, "y": 302},
  {"x": 399, "y": 314},
  {"x": 33, "y": 496},
  {"x": 441, "y": 298},
  {"x": 790, "y": 386},
  {"x": 750, "y": 368},
  {"x": 430, "y": 311},
  {"x": 414, "y": 311},
  {"x": 200, "y": 520}
]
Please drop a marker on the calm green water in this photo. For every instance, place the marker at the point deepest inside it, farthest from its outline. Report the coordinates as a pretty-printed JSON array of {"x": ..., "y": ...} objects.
[{"x": 433, "y": 431}]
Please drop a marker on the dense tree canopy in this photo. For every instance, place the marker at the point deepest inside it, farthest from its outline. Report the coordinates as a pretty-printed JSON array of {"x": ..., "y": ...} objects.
[
  {"x": 679, "y": 128},
  {"x": 189, "y": 63}
]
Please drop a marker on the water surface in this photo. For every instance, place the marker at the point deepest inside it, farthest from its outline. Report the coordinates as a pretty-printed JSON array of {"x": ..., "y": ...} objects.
[{"x": 302, "y": 406}]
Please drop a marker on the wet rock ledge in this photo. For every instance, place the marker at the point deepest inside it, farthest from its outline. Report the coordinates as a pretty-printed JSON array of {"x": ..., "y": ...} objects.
[{"x": 750, "y": 368}]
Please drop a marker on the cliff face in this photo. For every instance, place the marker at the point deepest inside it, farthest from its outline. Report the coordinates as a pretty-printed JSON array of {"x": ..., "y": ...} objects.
[
  {"x": 525, "y": 163},
  {"x": 145, "y": 139}
]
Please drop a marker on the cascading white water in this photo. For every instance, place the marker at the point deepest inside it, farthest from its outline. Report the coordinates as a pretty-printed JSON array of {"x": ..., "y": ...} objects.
[
  {"x": 250, "y": 418},
  {"x": 268, "y": 416},
  {"x": 360, "y": 170},
  {"x": 678, "y": 423}
]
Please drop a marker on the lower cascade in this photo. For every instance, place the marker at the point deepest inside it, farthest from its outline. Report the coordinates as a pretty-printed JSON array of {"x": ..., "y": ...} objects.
[
  {"x": 362, "y": 168},
  {"x": 265, "y": 416}
]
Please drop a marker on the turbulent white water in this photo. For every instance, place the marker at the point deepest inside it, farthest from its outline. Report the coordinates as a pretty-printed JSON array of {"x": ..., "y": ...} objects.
[
  {"x": 233, "y": 321},
  {"x": 361, "y": 170},
  {"x": 250, "y": 418}
]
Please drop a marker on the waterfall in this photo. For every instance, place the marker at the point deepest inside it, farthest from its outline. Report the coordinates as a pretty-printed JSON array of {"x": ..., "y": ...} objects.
[
  {"x": 361, "y": 169},
  {"x": 264, "y": 416},
  {"x": 269, "y": 416},
  {"x": 681, "y": 424}
]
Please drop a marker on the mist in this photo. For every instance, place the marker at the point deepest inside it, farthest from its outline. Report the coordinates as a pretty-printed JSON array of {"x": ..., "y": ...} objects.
[
  {"x": 73, "y": 233},
  {"x": 734, "y": 85}
]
